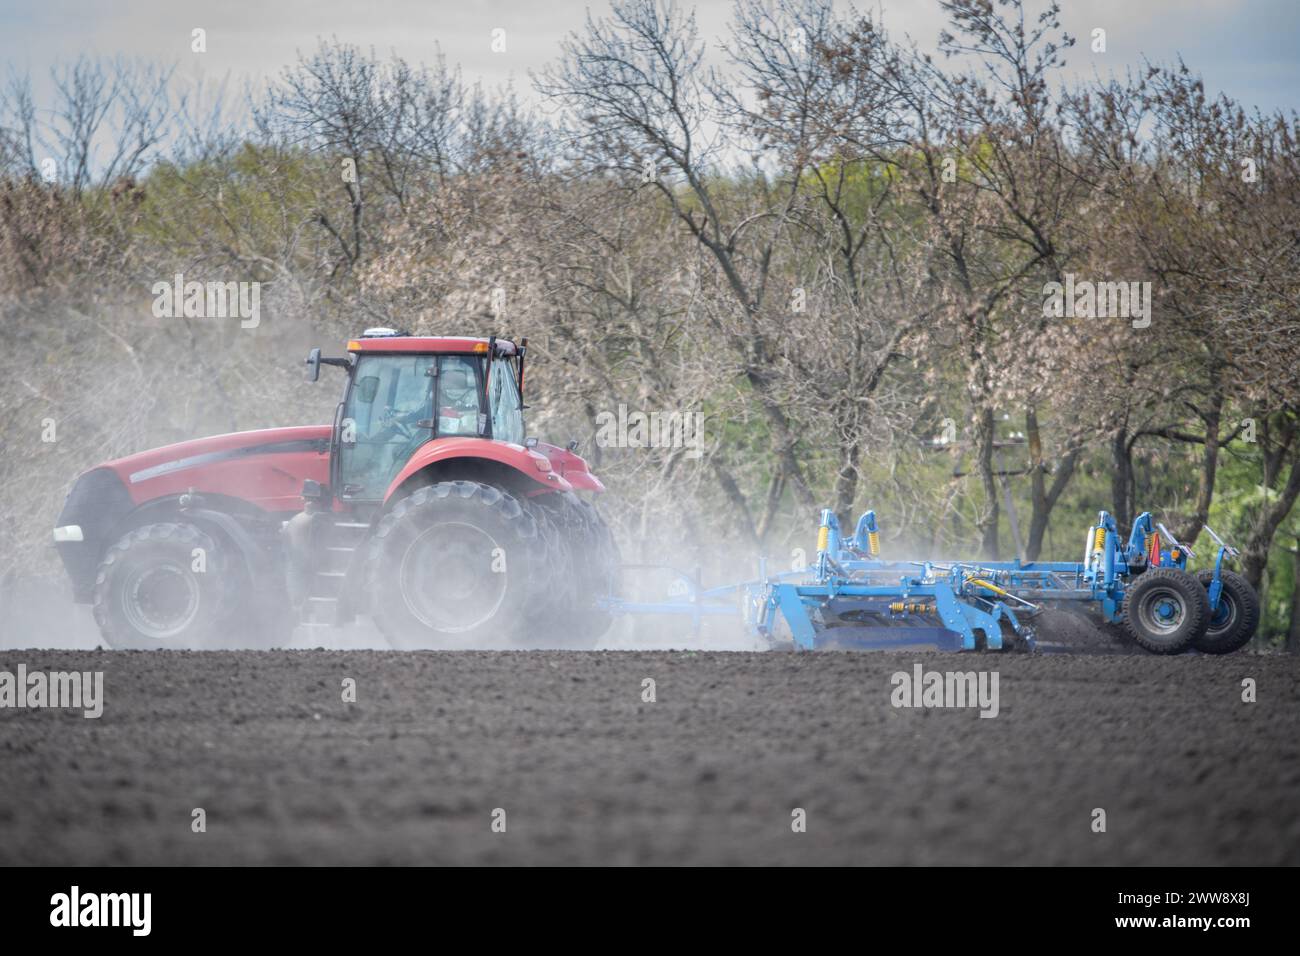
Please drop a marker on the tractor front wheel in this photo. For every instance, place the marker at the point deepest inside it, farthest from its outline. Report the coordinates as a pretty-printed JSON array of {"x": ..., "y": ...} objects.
[
  {"x": 456, "y": 563},
  {"x": 164, "y": 585},
  {"x": 1233, "y": 622},
  {"x": 1165, "y": 610}
]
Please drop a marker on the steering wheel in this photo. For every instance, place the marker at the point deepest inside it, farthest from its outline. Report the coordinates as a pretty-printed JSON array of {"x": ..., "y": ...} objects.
[{"x": 399, "y": 423}]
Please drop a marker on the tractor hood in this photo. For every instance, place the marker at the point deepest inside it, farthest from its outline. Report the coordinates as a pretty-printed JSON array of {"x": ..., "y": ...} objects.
[{"x": 265, "y": 467}]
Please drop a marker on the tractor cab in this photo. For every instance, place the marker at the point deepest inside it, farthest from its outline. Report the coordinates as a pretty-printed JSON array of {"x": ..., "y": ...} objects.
[{"x": 406, "y": 391}]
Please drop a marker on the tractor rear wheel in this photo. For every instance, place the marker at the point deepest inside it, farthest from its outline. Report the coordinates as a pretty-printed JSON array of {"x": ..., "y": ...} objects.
[
  {"x": 583, "y": 568},
  {"x": 559, "y": 595},
  {"x": 1165, "y": 610},
  {"x": 1233, "y": 623},
  {"x": 596, "y": 564},
  {"x": 456, "y": 563},
  {"x": 165, "y": 585}
]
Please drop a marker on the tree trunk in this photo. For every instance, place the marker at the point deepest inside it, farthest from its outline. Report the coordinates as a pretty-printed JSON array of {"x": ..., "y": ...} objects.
[
  {"x": 846, "y": 484},
  {"x": 1254, "y": 556},
  {"x": 1121, "y": 478},
  {"x": 985, "y": 432},
  {"x": 1209, "y": 469},
  {"x": 1042, "y": 498},
  {"x": 1293, "y": 630},
  {"x": 775, "y": 488},
  {"x": 737, "y": 499},
  {"x": 785, "y": 441}
]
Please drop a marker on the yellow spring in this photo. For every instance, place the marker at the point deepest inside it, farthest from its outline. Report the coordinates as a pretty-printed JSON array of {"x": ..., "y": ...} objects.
[
  {"x": 1151, "y": 543},
  {"x": 1099, "y": 542},
  {"x": 901, "y": 607},
  {"x": 823, "y": 538},
  {"x": 873, "y": 542}
]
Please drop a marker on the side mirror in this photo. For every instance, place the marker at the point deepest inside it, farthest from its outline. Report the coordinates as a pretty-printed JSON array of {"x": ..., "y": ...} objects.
[{"x": 313, "y": 366}]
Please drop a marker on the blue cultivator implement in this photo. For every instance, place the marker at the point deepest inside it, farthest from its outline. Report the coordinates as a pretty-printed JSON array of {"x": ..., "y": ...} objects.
[{"x": 852, "y": 598}]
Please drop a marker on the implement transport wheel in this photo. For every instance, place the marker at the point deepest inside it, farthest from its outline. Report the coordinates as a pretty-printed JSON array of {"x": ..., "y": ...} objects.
[
  {"x": 1165, "y": 610},
  {"x": 457, "y": 564},
  {"x": 1233, "y": 622},
  {"x": 165, "y": 585}
]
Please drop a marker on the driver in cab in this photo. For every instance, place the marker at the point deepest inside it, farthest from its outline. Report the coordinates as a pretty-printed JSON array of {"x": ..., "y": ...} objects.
[{"x": 458, "y": 406}]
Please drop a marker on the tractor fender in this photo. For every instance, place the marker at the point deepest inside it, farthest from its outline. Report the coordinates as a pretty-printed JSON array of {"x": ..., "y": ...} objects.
[
  {"x": 585, "y": 481},
  {"x": 532, "y": 465},
  {"x": 571, "y": 467}
]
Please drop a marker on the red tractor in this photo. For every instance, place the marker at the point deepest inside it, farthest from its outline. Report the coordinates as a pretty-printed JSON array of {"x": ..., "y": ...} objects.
[{"x": 424, "y": 505}]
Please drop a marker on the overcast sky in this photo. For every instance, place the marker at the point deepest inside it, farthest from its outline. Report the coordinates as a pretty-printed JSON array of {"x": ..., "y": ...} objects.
[{"x": 1244, "y": 47}]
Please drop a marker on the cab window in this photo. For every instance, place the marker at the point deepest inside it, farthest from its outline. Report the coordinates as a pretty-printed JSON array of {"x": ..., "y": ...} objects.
[
  {"x": 503, "y": 397},
  {"x": 459, "y": 408}
]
